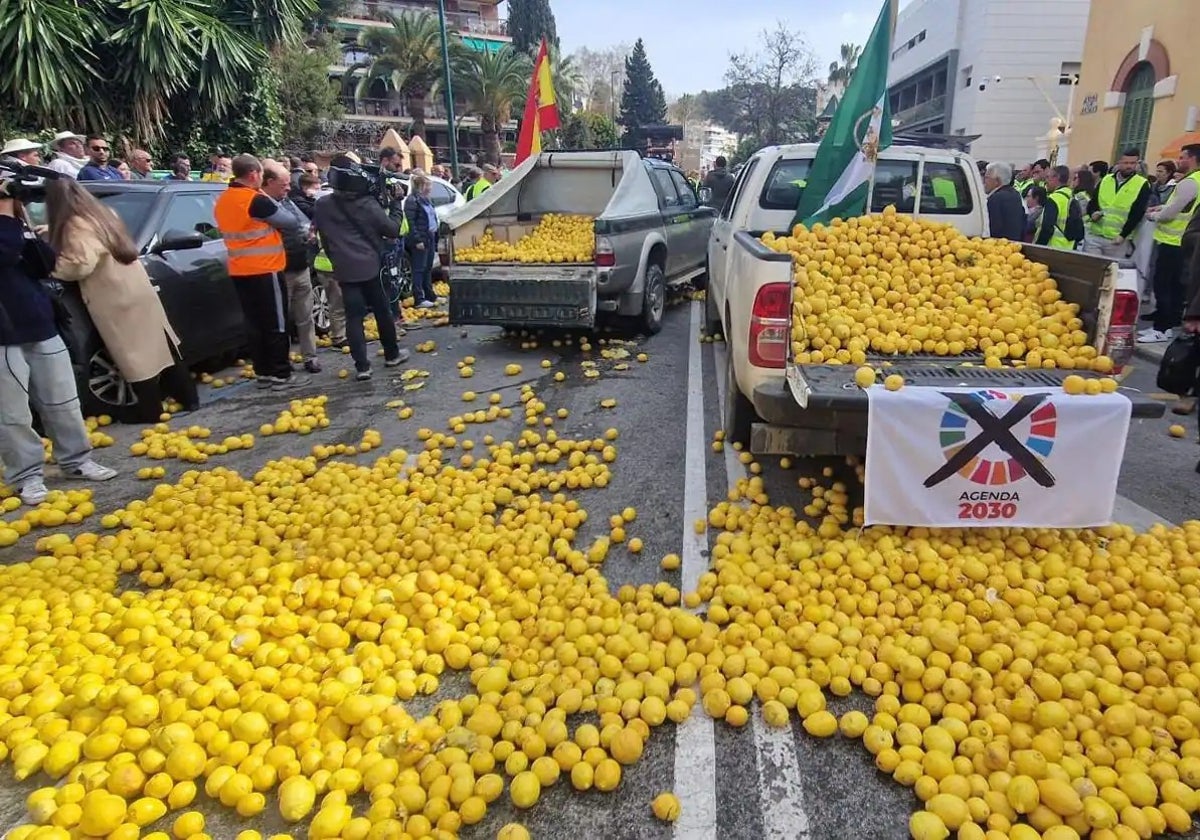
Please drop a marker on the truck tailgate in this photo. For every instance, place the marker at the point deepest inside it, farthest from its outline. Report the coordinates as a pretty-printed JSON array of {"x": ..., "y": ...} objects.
[{"x": 521, "y": 294}]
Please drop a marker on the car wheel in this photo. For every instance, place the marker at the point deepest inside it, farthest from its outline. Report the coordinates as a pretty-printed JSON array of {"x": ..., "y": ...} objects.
[
  {"x": 654, "y": 298},
  {"x": 103, "y": 389},
  {"x": 739, "y": 411},
  {"x": 320, "y": 309}
]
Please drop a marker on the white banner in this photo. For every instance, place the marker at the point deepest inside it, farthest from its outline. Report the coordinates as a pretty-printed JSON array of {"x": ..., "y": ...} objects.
[{"x": 970, "y": 457}]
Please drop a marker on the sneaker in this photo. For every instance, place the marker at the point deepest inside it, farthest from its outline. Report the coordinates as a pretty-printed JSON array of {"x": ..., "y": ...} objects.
[
  {"x": 400, "y": 358},
  {"x": 1185, "y": 406},
  {"x": 426, "y": 304},
  {"x": 363, "y": 375},
  {"x": 89, "y": 470},
  {"x": 312, "y": 366},
  {"x": 293, "y": 381},
  {"x": 265, "y": 382},
  {"x": 1153, "y": 337},
  {"x": 339, "y": 345},
  {"x": 33, "y": 492}
]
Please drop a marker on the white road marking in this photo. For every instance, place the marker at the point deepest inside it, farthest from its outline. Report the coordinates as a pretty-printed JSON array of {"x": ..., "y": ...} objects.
[
  {"x": 780, "y": 792},
  {"x": 1129, "y": 512},
  {"x": 695, "y": 750}
]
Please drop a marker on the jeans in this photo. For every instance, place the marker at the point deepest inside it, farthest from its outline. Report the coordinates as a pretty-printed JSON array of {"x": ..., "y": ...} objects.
[
  {"x": 1093, "y": 244},
  {"x": 300, "y": 308},
  {"x": 422, "y": 269},
  {"x": 264, "y": 305},
  {"x": 361, "y": 298},
  {"x": 1168, "y": 287},
  {"x": 337, "y": 308},
  {"x": 40, "y": 373}
]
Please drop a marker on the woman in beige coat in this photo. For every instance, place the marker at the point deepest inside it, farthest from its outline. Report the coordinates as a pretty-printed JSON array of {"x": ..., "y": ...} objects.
[{"x": 95, "y": 250}]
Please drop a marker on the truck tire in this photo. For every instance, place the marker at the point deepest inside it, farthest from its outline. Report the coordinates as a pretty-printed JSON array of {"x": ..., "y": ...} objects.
[
  {"x": 739, "y": 411},
  {"x": 654, "y": 298}
]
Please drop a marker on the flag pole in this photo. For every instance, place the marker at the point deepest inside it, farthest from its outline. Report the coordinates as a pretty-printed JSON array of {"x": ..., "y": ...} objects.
[
  {"x": 449, "y": 92},
  {"x": 893, "y": 8}
]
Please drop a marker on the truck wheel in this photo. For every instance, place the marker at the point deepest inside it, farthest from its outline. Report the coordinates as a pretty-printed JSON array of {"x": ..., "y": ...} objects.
[
  {"x": 739, "y": 411},
  {"x": 654, "y": 299}
]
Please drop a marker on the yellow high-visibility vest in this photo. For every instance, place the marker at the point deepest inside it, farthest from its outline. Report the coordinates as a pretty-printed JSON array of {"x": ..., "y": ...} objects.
[
  {"x": 1115, "y": 203},
  {"x": 1170, "y": 232}
]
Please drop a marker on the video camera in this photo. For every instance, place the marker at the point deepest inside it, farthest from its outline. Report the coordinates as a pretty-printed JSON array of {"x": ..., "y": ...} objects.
[
  {"x": 28, "y": 182},
  {"x": 366, "y": 179}
]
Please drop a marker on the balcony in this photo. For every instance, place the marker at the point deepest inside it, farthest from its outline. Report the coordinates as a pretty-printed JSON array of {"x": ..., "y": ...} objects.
[
  {"x": 930, "y": 109},
  {"x": 380, "y": 13},
  {"x": 388, "y": 109}
]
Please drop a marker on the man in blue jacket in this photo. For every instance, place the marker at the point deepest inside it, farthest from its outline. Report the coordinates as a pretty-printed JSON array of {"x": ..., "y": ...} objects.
[{"x": 98, "y": 167}]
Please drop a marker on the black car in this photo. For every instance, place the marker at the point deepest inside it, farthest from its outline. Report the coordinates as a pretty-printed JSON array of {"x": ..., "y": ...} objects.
[{"x": 173, "y": 226}]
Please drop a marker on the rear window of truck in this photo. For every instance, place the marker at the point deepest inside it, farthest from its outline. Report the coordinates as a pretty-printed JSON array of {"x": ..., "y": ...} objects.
[{"x": 784, "y": 184}]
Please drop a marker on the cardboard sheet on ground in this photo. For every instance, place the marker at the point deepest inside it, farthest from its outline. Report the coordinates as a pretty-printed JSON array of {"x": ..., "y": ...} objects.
[{"x": 966, "y": 457}]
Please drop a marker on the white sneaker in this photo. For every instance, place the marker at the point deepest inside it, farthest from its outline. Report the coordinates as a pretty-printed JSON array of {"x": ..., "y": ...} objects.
[
  {"x": 33, "y": 492},
  {"x": 426, "y": 304},
  {"x": 89, "y": 470},
  {"x": 1153, "y": 336}
]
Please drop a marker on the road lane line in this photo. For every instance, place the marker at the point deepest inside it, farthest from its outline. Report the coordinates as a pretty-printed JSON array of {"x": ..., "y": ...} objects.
[
  {"x": 780, "y": 792},
  {"x": 695, "y": 750}
]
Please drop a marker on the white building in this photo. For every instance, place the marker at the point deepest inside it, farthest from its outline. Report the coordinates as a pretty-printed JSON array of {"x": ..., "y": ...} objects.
[
  {"x": 1000, "y": 69},
  {"x": 716, "y": 141}
]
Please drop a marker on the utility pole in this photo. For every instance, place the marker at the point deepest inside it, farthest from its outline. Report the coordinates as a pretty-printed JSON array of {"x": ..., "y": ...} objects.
[{"x": 449, "y": 92}]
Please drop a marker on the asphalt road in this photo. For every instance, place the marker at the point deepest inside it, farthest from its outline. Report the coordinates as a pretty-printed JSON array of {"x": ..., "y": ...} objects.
[{"x": 735, "y": 784}]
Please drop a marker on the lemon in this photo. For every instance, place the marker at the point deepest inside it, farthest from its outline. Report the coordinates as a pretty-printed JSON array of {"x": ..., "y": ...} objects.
[
  {"x": 1074, "y": 384},
  {"x": 1175, "y": 430},
  {"x": 525, "y": 789},
  {"x": 513, "y": 831},
  {"x": 864, "y": 377},
  {"x": 893, "y": 382},
  {"x": 666, "y": 807}
]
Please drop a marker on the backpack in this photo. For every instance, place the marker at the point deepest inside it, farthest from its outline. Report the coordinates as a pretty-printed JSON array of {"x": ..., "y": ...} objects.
[{"x": 1074, "y": 229}]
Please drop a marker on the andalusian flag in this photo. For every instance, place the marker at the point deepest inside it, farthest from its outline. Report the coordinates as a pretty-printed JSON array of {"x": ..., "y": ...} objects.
[
  {"x": 541, "y": 107},
  {"x": 841, "y": 174}
]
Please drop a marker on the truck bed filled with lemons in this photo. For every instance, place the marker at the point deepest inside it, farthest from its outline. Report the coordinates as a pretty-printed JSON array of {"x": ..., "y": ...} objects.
[
  {"x": 557, "y": 238},
  {"x": 890, "y": 285},
  {"x": 1026, "y": 684}
]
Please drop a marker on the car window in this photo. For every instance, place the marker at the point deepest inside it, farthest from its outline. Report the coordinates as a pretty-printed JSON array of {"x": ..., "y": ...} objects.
[
  {"x": 190, "y": 212},
  {"x": 669, "y": 196},
  {"x": 441, "y": 194},
  {"x": 784, "y": 184},
  {"x": 945, "y": 189},
  {"x": 738, "y": 185},
  {"x": 687, "y": 196},
  {"x": 895, "y": 184}
]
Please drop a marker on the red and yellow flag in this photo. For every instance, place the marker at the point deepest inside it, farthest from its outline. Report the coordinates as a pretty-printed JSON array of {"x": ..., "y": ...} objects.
[{"x": 541, "y": 107}]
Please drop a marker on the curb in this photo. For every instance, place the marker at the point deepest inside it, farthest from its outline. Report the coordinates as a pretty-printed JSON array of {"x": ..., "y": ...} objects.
[{"x": 1147, "y": 354}]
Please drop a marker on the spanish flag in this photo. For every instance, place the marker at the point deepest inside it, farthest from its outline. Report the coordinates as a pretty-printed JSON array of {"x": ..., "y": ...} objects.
[{"x": 541, "y": 107}]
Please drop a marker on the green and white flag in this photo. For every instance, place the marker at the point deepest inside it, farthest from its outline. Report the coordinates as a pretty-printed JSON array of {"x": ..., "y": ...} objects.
[{"x": 840, "y": 176}]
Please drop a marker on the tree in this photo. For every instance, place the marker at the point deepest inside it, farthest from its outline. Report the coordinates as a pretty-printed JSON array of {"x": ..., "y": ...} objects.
[
  {"x": 686, "y": 109},
  {"x": 642, "y": 101},
  {"x": 597, "y": 70},
  {"x": 142, "y": 66},
  {"x": 529, "y": 21},
  {"x": 309, "y": 98},
  {"x": 567, "y": 79},
  {"x": 408, "y": 58},
  {"x": 493, "y": 83},
  {"x": 588, "y": 130},
  {"x": 840, "y": 71}
]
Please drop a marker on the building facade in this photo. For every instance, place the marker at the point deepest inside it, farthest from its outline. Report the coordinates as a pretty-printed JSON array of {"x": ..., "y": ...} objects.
[
  {"x": 1135, "y": 90},
  {"x": 999, "y": 69},
  {"x": 476, "y": 22}
]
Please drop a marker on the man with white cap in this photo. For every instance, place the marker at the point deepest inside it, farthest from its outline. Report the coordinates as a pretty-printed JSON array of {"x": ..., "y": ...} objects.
[
  {"x": 69, "y": 155},
  {"x": 25, "y": 151}
]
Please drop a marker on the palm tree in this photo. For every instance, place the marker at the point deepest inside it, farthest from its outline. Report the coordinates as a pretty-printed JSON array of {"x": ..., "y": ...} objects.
[
  {"x": 493, "y": 85},
  {"x": 567, "y": 78},
  {"x": 408, "y": 58},
  {"x": 840, "y": 71},
  {"x": 139, "y": 63}
]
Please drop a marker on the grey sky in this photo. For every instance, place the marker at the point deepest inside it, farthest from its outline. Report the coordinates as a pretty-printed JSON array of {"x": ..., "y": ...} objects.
[{"x": 689, "y": 43}]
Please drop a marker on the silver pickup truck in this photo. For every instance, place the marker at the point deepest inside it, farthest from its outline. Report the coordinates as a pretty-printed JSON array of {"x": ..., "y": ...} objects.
[{"x": 650, "y": 233}]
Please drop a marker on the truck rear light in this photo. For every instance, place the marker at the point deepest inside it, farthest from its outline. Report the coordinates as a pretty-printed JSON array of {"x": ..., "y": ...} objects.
[
  {"x": 770, "y": 325},
  {"x": 1119, "y": 342},
  {"x": 605, "y": 256}
]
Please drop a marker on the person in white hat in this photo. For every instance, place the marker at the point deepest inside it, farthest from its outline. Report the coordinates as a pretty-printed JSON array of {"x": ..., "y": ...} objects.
[
  {"x": 69, "y": 156},
  {"x": 26, "y": 151}
]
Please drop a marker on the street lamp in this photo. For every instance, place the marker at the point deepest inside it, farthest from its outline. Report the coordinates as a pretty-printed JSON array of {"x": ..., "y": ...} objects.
[
  {"x": 612, "y": 99},
  {"x": 449, "y": 92}
]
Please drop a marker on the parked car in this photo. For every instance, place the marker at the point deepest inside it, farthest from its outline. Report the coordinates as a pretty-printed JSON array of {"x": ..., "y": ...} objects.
[{"x": 172, "y": 224}]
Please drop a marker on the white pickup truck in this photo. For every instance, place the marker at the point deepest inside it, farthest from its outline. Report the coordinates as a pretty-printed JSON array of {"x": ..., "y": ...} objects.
[{"x": 776, "y": 406}]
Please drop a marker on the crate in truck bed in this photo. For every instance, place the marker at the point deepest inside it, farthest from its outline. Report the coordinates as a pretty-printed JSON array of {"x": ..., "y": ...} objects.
[{"x": 527, "y": 294}]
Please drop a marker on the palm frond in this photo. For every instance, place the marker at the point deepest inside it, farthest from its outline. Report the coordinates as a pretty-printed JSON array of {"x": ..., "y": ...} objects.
[
  {"x": 47, "y": 62},
  {"x": 270, "y": 22}
]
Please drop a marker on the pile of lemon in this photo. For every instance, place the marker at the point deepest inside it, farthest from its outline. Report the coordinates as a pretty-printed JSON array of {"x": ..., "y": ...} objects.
[
  {"x": 1026, "y": 683},
  {"x": 889, "y": 284},
  {"x": 557, "y": 238},
  {"x": 301, "y": 417}
]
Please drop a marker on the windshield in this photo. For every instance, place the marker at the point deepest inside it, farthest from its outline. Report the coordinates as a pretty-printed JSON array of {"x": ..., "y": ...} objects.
[{"x": 133, "y": 208}]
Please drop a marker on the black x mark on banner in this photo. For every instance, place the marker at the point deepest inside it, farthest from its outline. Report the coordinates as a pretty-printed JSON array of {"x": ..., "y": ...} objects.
[{"x": 997, "y": 430}]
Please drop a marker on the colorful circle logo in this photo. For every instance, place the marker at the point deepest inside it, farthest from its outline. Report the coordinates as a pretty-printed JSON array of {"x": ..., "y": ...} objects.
[{"x": 952, "y": 435}]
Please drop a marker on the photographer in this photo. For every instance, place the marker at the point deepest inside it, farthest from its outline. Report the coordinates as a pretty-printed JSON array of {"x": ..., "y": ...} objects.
[
  {"x": 37, "y": 366},
  {"x": 355, "y": 230}
]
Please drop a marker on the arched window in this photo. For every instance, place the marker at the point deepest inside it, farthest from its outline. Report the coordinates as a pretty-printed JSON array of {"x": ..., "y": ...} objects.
[{"x": 1138, "y": 110}]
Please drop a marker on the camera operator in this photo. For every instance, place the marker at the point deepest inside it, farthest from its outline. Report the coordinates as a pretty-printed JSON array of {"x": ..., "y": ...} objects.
[
  {"x": 355, "y": 230},
  {"x": 37, "y": 365}
]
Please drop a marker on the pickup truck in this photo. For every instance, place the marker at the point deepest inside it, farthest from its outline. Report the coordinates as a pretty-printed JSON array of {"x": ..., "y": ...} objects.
[
  {"x": 650, "y": 233},
  {"x": 774, "y": 405}
]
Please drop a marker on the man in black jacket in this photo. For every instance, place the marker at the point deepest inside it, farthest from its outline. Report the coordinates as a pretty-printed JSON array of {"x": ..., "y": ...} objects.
[
  {"x": 719, "y": 183},
  {"x": 1006, "y": 211},
  {"x": 354, "y": 230}
]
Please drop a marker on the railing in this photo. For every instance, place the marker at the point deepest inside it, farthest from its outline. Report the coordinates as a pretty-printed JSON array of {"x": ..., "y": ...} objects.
[
  {"x": 389, "y": 108},
  {"x": 926, "y": 110},
  {"x": 383, "y": 10}
]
